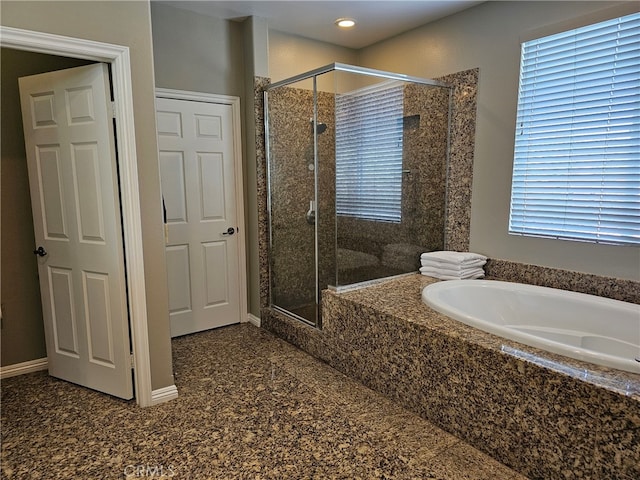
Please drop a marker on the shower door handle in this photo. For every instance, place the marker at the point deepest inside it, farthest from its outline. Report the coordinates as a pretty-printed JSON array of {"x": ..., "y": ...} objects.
[{"x": 230, "y": 231}]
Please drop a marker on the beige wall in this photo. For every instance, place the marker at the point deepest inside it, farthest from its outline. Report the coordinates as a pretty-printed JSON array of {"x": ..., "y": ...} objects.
[
  {"x": 196, "y": 52},
  {"x": 256, "y": 58},
  {"x": 488, "y": 37},
  {"x": 122, "y": 23},
  {"x": 290, "y": 55}
]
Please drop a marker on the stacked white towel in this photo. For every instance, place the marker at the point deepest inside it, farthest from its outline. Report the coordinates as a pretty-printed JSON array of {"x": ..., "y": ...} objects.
[{"x": 447, "y": 265}]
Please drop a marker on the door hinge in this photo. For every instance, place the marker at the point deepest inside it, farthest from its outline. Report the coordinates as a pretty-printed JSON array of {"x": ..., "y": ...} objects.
[
  {"x": 132, "y": 360},
  {"x": 113, "y": 109}
]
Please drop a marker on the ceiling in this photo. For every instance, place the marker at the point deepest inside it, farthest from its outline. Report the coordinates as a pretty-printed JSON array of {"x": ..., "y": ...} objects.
[{"x": 376, "y": 19}]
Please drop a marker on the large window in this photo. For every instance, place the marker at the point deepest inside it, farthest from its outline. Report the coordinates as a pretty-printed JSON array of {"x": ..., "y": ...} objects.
[
  {"x": 576, "y": 171},
  {"x": 369, "y": 153}
]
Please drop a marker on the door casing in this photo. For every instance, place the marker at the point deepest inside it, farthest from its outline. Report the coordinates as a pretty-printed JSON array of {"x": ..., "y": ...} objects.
[{"x": 118, "y": 57}]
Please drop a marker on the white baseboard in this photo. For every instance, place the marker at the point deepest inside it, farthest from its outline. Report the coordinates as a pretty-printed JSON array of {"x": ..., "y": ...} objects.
[
  {"x": 158, "y": 396},
  {"x": 164, "y": 394},
  {"x": 251, "y": 318},
  {"x": 24, "y": 367}
]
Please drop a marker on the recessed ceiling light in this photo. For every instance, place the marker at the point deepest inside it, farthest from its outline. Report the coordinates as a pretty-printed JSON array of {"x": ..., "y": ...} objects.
[{"x": 345, "y": 22}]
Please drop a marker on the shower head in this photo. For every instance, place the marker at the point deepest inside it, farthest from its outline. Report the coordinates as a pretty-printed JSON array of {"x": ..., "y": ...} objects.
[{"x": 320, "y": 127}]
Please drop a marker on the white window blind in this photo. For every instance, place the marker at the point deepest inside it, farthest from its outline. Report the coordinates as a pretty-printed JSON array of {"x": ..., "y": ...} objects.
[
  {"x": 576, "y": 171},
  {"x": 369, "y": 153}
]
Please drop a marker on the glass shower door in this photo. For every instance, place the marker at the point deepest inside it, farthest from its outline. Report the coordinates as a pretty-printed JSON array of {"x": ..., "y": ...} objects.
[{"x": 292, "y": 208}]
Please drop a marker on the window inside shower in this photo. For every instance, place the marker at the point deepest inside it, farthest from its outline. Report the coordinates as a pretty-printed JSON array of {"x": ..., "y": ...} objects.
[
  {"x": 369, "y": 152},
  {"x": 357, "y": 162}
]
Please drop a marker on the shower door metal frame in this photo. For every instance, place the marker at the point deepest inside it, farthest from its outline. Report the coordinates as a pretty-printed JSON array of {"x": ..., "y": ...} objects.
[
  {"x": 343, "y": 67},
  {"x": 316, "y": 195}
]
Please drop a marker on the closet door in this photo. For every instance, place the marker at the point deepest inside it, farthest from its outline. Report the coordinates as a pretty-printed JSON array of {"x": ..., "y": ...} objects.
[{"x": 199, "y": 190}]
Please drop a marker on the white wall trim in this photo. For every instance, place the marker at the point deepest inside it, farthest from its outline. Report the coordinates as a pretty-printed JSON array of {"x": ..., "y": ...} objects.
[
  {"x": 118, "y": 57},
  {"x": 251, "y": 318},
  {"x": 234, "y": 102},
  {"x": 24, "y": 367},
  {"x": 196, "y": 96},
  {"x": 164, "y": 394}
]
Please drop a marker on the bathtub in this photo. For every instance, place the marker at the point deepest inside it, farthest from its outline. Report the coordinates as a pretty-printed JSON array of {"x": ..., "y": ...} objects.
[{"x": 584, "y": 327}]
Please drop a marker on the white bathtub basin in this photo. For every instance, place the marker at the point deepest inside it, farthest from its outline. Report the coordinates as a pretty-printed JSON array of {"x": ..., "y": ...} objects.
[{"x": 580, "y": 326}]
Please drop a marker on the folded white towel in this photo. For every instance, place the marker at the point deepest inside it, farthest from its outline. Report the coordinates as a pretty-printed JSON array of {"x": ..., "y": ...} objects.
[
  {"x": 453, "y": 266},
  {"x": 462, "y": 272},
  {"x": 445, "y": 275},
  {"x": 457, "y": 258},
  {"x": 452, "y": 277}
]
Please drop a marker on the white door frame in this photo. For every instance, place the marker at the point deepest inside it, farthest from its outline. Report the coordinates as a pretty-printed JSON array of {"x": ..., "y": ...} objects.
[
  {"x": 234, "y": 102},
  {"x": 118, "y": 57}
]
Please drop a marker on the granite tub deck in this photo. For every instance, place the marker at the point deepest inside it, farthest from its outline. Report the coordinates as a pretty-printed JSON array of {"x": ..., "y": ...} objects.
[{"x": 544, "y": 415}]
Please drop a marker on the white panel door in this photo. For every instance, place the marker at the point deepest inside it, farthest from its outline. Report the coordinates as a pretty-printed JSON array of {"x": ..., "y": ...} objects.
[
  {"x": 198, "y": 185},
  {"x": 69, "y": 139}
]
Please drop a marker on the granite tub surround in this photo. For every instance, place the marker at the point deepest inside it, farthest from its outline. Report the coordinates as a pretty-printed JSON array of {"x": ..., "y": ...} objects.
[
  {"x": 542, "y": 414},
  {"x": 251, "y": 406},
  {"x": 609, "y": 287}
]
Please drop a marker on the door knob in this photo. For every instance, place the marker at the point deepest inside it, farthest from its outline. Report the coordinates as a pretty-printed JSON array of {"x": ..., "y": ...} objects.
[
  {"x": 230, "y": 231},
  {"x": 40, "y": 252}
]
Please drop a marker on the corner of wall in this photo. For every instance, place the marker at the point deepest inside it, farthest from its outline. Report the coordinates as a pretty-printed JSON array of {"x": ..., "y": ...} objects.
[{"x": 255, "y": 67}]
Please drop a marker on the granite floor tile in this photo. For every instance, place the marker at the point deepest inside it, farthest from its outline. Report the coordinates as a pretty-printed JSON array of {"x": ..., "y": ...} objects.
[{"x": 250, "y": 406}]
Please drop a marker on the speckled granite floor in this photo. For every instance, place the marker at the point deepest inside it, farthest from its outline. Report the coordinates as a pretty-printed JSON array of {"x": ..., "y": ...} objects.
[{"x": 251, "y": 406}]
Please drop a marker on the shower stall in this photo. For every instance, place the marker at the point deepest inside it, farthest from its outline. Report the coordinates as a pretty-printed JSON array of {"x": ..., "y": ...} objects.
[{"x": 357, "y": 170}]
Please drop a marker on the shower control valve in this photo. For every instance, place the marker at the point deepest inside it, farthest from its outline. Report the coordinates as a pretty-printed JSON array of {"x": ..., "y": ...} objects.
[{"x": 310, "y": 216}]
